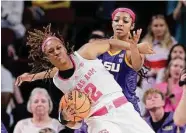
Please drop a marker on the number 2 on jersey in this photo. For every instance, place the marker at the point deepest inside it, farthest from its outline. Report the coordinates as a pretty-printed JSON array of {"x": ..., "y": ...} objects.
[{"x": 92, "y": 90}]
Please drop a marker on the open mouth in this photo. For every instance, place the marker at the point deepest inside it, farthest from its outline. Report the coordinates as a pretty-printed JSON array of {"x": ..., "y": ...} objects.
[
  {"x": 119, "y": 29},
  {"x": 177, "y": 74}
]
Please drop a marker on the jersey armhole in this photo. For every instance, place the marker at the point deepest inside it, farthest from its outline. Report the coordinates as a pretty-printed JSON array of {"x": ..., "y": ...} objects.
[{"x": 127, "y": 62}]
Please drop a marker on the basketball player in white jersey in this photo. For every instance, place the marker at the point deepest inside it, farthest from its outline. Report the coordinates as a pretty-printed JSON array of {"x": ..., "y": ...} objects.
[{"x": 81, "y": 70}]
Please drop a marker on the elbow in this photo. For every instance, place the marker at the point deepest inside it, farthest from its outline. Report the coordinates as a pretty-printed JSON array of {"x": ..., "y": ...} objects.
[{"x": 137, "y": 67}]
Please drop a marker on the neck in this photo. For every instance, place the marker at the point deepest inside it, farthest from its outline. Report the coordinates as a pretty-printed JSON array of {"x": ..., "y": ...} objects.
[
  {"x": 175, "y": 81},
  {"x": 123, "y": 38},
  {"x": 158, "y": 38},
  {"x": 67, "y": 65},
  {"x": 41, "y": 119},
  {"x": 157, "y": 114}
]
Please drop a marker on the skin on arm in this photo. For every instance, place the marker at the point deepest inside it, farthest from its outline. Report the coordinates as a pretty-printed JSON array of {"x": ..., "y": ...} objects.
[
  {"x": 133, "y": 56},
  {"x": 177, "y": 11},
  {"x": 32, "y": 77},
  {"x": 98, "y": 47},
  {"x": 179, "y": 115}
]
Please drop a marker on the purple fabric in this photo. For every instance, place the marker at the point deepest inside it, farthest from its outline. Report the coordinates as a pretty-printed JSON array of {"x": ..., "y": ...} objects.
[
  {"x": 3, "y": 129},
  {"x": 168, "y": 126},
  {"x": 83, "y": 128},
  {"x": 126, "y": 77}
]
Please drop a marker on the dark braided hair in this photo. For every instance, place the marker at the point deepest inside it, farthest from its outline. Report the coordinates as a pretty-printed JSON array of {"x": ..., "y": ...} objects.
[{"x": 39, "y": 61}]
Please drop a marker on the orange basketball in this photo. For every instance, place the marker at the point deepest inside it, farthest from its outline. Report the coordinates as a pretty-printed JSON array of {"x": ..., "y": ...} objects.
[{"x": 78, "y": 101}]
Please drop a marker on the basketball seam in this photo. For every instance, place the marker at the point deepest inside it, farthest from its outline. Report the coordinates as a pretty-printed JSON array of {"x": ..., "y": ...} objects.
[{"x": 82, "y": 104}]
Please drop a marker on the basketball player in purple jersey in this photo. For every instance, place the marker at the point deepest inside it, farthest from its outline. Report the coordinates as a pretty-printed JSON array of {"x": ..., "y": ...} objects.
[{"x": 118, "y": 62}]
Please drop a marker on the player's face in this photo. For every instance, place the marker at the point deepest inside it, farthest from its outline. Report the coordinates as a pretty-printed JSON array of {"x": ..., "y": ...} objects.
[
  {"x": 121, "y": 24},
  {"x": 39, "y": 104},
  {"x": 158, "y": 27},
  {"x": 178, "y": 51},
  {"x": 154, "y": 100},
  {"x": 56, "y": 52},
  {"x": 176, "y": 68}
]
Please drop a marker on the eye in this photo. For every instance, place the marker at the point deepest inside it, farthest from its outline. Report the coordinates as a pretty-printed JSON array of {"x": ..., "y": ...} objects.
[
  {"x": 36, "y": 101},
  {"x": 50, "y": 51},
  {"x": 149, "y": 98},
  {"x": 116, "y": 20},
  {"x": 155, "y": 25},
  {"x": 126, "y": 20},
  {"x": 43, "y": 101},
  {"x": 59, "y": 47},
  {"x": 174, "y": 51}
]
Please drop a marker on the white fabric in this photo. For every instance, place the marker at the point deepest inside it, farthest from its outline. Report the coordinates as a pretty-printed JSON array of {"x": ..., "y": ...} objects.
[
  {"x": 26, "y": 126},
  {"x": 160, "y": 75},
  {"x": 11, "y": 16},
  {"x": 118, "y": 120},
  {"x": 108, "y": 90},
  {"x": 139, "y": 93},
  {"x": 161, "y": 53},
  {"x": 6, "y": 80}
]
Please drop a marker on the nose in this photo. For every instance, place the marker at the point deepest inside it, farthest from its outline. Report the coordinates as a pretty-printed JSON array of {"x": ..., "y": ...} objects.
[
  {"x": 120, "y": 22},
  {"x": 57, "y": 52}
]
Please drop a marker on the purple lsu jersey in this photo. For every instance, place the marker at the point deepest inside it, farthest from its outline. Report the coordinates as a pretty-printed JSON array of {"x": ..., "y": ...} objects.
[{"x": 126, "y": 77}]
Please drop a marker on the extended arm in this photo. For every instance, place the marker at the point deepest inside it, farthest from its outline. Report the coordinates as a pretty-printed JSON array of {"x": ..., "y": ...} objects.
[
  {"x": 98, "y": 47},
  {"x": 32, "y": 77},
  {"x": 179, "y": 115}
]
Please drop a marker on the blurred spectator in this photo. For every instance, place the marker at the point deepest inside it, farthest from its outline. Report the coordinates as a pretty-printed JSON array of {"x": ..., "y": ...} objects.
[
  {"x": 11, "y": 17},
  {"x": 170, "y": 87},
  {"x": 159, "y": 120},
  {"x": 177, "y": 50},
  {"x": 96, "y": 34},
  {"x": 6, "y": 94},
  {"x": 177, "y": 10},
  {"x": 159, "y": 36},
  {"x": 40, "y": 105},
  {"x": 50, "y": 4},
  {"x": 179, "y": 116}
]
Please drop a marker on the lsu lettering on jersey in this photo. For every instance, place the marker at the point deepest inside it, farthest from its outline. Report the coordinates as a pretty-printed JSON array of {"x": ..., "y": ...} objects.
[
  {"x": 90, "y": 77},
  {"x": 123, "y": 73}
]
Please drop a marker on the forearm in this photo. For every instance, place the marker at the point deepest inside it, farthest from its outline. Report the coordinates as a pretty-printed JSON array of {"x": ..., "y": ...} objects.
[
  {"x": 136, "y": 59},
  {"x": 44, "y": 74},
  {"x": 179, "y": 115},
  {"x": 123, "y": 45},
  {"x": 177, "y": 11},
  {"x": 142, "y": 47},
  {"x": 17, "y": 95}
]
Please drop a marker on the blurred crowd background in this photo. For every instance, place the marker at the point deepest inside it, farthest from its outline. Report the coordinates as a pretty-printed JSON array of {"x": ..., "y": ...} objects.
[{"x": 163, "y": 24}]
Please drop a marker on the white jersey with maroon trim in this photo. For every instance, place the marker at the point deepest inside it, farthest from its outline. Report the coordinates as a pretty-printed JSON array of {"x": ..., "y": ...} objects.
[{"x": 90, "y": 77}]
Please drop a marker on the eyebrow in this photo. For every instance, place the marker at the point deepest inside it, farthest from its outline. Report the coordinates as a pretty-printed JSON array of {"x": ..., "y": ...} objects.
[{"x": 123, "y": 17}]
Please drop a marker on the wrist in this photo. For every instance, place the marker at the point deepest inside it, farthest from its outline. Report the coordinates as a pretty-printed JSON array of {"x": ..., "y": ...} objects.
[{"x": 133, "y": 46}]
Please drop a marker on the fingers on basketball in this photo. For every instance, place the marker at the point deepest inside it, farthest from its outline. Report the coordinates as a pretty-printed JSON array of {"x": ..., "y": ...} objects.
[{"x": 81, "y": 104}]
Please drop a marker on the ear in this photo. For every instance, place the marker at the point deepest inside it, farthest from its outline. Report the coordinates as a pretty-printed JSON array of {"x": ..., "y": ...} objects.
[
  {"x": 132, "y": 26},
  {"x": 112, "y": 24}
]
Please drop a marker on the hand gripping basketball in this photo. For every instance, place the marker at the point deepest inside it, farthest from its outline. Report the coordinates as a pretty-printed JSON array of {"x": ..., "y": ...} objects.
[{"x": 75, "y": 106}]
